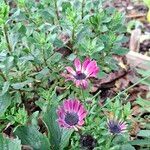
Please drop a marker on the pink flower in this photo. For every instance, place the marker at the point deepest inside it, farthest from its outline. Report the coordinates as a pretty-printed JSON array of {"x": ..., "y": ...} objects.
[
  {"x": 71, "y": 114},
  {"x": 82, "y": 72}
]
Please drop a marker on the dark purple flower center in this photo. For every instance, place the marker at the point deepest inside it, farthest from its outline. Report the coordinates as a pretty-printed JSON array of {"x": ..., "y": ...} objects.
[
  {"x": 88, "y": 142},
  {"x": 71, "y": 118},
  {"x": 115, "y": 128},
  {"x": 80, "y": 76}
]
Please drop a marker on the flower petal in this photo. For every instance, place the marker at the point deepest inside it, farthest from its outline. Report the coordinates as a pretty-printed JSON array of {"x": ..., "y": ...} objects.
[
  {"x": 61, "y": 112},
  {"x": 77, "y": 64},
  {"x": 66, "y": 105},
  {"x": 76, "y": 105},
  {"x": 62, "y": 123},
  {"x": 67, "y": 76},
  {"x": 85, "y": 63},
  {"x": 84, "y": 84},
  {"x": 77, "y": 82},
  {"x": 71, "y": 102},
  {"x": 70, "y": 70},
  {"x": 80, "y": 123},
  {"x": 92, "y": 66},
  {"x": 81, "y": 117},
  {"x": 81, "y": 110},
  {"x": 95, "y": 72}
]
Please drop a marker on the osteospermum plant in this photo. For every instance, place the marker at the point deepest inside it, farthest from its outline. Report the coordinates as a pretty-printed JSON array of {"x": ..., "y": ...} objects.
[{"x": 50, "y": 52}]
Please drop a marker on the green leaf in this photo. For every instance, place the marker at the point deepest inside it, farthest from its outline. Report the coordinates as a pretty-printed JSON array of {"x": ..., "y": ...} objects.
[
  {"x": 5, "y": 101},
  {"x": 56, "y": 57},
  {"x": 21, "y": 85},
  {"x": 147, "y": 2},
  {"x": 144, "y": 73},
  {"x": 145, "y": 104},
  {"x": 144, "y": 133},
  {"x": 9, "y": 144},
  {"x": 54, "y": 132},
  {"x": 29, "y": 135},
  {"x": 141, "y": 142},
  {"x": 127, "y": 147},
  {"x": 5, "y": 88},
  {"x": 120, "y": 51},
  {"x": 66, "y": 134},
  {"x": 59, "y": 138}
]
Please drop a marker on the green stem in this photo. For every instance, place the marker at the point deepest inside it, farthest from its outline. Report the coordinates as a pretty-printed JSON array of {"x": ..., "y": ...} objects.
[
  {"x": 82, "y": 9},
  {"x": 125, "y": 91},
  {"x": 45, "y": 61},
  {"x": 73, "y": 35},
  {"x": 7, "y": 38},
  {"x": 57, "y": 12},
  {"x": 96, "y": 95},
  {"x": 108, "y": 146},
  {"x": 82, "y": 93}
]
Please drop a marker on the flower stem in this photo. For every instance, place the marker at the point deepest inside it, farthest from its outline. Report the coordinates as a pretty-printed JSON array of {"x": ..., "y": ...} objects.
[
  {"x": 82, "y": 93},
  {"x": 96, "y": 95},
  {"x": 110, "y": 142},
  {"x": 125, "y": 91}
]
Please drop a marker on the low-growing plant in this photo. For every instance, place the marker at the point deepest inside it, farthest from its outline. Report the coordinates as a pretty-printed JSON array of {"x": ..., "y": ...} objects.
[{"x": 50, "y": 52}]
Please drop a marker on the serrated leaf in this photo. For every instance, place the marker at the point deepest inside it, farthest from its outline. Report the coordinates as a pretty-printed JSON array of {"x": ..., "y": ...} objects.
[{"x": 29, "y": 135}]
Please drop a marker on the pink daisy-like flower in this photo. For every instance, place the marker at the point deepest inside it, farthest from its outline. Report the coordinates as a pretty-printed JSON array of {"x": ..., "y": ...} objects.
[
  {"x": 116, "y": 126},
  {"x": 71, "y": 114},
  {"x": 82, "y": 72}
]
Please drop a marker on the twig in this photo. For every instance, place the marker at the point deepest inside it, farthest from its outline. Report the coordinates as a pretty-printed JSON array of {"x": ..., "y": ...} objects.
[
  {"x": 135, "y": 16},
  {"x": 138, "y": 60}
]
